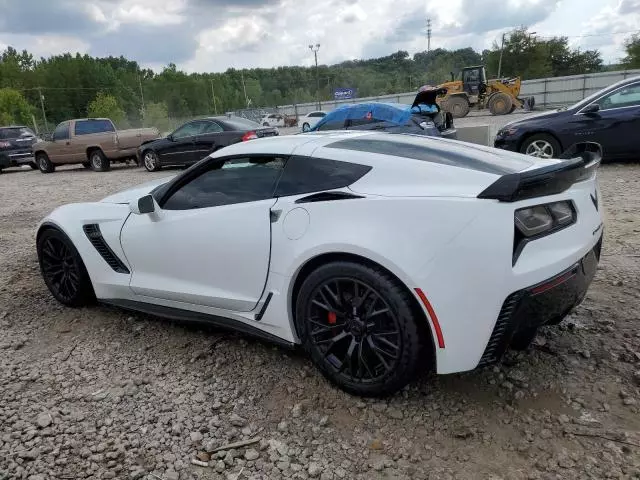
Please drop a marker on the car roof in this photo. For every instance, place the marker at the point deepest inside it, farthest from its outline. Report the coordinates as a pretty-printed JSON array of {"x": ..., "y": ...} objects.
[
  {"x": 14, "y": 126},
  {"x": 359, "y": 146}
]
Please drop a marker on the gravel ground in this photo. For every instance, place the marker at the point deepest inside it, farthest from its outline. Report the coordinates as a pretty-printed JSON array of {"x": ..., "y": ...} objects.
[{"x": 100, "y": 393}]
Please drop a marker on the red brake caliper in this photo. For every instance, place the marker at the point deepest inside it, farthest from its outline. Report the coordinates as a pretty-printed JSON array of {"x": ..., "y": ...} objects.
[{"x": 332, "y": 318}]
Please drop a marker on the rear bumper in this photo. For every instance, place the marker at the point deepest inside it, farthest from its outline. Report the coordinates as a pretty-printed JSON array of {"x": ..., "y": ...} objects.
[{"x": 545, "y": 303}]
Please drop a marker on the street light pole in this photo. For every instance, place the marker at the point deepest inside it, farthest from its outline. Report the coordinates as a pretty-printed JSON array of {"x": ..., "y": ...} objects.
[
  {"x": 314, "y": 49},
  {"x": 500, "y": 61}
]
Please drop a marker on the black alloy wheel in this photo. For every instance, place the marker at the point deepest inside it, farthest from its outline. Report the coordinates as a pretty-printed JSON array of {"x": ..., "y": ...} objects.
[
  {"x": 358, "y": 325},
  {"x": 63, "y": 270}
]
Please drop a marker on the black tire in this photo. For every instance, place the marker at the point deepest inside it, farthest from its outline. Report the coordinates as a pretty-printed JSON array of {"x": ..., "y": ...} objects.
[
  {"x": 86, "y": 164},
  {"x": 63, "y": 270},
  {"x": 541, "y": 145},
  {"x": 306, "y": 127},
  {"x": 383, "y": 366},
  {"x": 33, "y": 165},
  {"x": 44, "y": 164},
  {"x": 500, "y": 104},
  {"x": 151, "y": 161},
  {"x": 98, "y": 161},
  {"x": 458, "y": 106}
]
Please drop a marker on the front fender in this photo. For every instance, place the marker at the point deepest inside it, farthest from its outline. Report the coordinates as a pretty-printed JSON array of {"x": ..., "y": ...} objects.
[{"x": 70, "y": 220}]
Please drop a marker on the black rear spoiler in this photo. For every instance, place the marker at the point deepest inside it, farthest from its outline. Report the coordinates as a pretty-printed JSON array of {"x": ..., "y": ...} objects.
[{"x": 580, "y": 162}]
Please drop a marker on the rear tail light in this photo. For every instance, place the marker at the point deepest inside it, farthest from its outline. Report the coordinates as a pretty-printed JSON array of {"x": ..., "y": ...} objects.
[
  {"x": 540, "y": 220},
  {"x": 533, "y": 221},
  {"x": 249, "y": 136}
]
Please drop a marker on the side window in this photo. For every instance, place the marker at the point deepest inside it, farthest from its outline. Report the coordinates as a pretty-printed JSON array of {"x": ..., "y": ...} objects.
[
  {"x": 212, "y": 127},
  {"x": 308, "y": 175},
  {"x": 628, "y": 96},
  {"x": 188, "y": 130},
  {"x": 61, "y": 132},
  {"x": 238, "y": 180},
  {"x": 316, "y": 114}
]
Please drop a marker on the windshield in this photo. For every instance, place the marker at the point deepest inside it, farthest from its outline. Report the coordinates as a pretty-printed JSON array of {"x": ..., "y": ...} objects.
[{"x": 16, "y": 132}]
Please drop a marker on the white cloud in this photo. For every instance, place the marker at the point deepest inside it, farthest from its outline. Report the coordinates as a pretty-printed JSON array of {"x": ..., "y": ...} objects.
[{"x": 213, "y": 35}]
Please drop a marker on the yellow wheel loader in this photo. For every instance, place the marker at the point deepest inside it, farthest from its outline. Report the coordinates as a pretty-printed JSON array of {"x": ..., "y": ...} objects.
[{"x": 500, "y": 96}]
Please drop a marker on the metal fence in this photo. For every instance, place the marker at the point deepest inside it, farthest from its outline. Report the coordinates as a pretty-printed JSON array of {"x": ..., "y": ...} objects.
[{"x": 548, "y": 92}]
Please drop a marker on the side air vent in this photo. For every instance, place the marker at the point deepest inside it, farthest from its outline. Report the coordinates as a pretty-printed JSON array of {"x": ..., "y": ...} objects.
[
  {"x": 328, "y": 197},
  {"x": 95, "y": 237},
  {"x": 502, "y": 331}
]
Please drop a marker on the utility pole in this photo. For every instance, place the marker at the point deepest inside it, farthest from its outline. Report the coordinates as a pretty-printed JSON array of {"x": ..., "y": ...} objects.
[
  {"x": 314, "y": 49},
  {"x": 44, "y": 115},
  {"x": 244, "y": 87},
  {"x": 143, "y": 111},
  {"x": 501, "y": 51},
  {"x": 428, "y": 35},
  {"x": 213, "y": 95}
]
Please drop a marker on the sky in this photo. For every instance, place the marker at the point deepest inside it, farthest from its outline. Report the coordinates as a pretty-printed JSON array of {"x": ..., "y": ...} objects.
[{"x": 213, "y": 35}]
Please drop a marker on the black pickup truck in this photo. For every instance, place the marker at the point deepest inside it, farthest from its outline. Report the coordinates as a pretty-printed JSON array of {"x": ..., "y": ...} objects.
[{"x": 15, "y": 147}]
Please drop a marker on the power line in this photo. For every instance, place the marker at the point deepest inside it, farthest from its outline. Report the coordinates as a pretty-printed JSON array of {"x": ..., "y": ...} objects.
[{"x": 590, "y": 34}]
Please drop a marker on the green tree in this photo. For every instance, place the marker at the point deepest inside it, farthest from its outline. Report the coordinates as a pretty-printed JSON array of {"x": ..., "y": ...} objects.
[
  {"x": 632, "y": 46},
  {"x": 107, "y": 106},
  {"x": 14, "y": 109},
  {"x": 527, "y": 56}
]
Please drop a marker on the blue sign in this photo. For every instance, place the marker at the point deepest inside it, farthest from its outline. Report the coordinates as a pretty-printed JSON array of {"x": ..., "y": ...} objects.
[{"x": 345, "y": 93}]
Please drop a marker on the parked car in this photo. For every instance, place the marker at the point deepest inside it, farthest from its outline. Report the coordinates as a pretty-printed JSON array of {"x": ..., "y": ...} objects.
[
  {"x": 15, "y": 147},
  {"x": 380, "y": 254},
  {"x": 610, "y": 117},
  {"x": 198, "y": 138},
  {"x": 309, "y": 120},
  {"x": 93, "y": 142},
  {"x": 388, "y": 117},
  {"x": 272, "y": 120}
]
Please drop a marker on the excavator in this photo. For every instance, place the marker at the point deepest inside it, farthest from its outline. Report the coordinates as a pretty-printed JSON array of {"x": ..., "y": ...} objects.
[{"x": 500, "y": 96}]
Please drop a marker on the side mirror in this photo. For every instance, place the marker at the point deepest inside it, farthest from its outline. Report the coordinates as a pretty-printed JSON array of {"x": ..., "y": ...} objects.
[
  {"x": 170, "y": 137},
  {"x": 593, "y": 108},
  {"x": 143, "y": 205}
]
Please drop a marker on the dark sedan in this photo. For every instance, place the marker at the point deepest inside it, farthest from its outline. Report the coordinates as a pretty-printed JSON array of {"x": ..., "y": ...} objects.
[
  {"x": 198, "y": 138},
  {"x": 610, "y": 117},
  {"x": 15, "y": 147}
]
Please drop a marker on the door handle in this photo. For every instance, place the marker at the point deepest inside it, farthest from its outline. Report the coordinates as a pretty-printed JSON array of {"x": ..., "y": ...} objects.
[{"x": 68, "y": 143}]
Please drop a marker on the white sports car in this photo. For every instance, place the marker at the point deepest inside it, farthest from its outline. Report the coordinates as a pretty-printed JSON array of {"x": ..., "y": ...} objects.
[{"x": 380, "y": 254}]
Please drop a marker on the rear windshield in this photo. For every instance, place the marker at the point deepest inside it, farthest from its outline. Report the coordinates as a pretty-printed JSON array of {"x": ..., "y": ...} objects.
[
  {"x": 240, "y": 123},
  {"x": 16, "y": 132},
  {"x": 444, "y": 152}
]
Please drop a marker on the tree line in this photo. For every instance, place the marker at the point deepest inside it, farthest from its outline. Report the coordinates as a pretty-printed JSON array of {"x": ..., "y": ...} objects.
[{"x": 71, "y": 86}]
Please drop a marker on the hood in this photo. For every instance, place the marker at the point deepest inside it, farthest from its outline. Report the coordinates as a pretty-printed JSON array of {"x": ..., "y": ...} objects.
[
  {"x": 536, "y": 117},
  {"x": 126, "y": 196}
]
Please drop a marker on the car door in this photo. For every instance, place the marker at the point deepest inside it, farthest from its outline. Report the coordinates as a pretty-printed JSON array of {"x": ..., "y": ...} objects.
[
  {"x": 59, "y": 150},
  {"x": 182, "y": 144},
  {"x": 621, "y": 108},
  {"x": 208, "y": 140},
  {"x": 614, "y": 125},
  {"x": 209, "y": 241}
]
